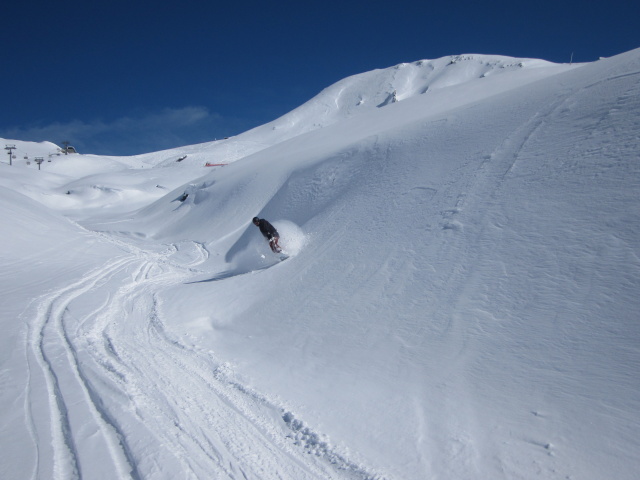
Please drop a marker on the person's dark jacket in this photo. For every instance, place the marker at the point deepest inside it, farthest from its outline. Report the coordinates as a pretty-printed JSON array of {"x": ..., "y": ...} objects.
[{"x": 268, "y": 230}]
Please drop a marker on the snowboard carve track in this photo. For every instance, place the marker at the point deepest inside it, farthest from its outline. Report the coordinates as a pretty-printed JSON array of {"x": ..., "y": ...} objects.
[
  {"x": 70, "y": 394},
  {"x": 81, "y": 350}
]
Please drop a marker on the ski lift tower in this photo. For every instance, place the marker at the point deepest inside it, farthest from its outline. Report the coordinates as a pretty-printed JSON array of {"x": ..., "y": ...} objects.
[{"x": 10, "y": 148}]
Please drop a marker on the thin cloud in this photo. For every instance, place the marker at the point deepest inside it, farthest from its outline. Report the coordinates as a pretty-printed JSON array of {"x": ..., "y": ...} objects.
[{"x": 130, "y": 135}]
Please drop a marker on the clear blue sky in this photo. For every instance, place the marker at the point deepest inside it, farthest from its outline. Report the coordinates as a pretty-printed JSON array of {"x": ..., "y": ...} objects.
[{"x": 135, "y": 76}]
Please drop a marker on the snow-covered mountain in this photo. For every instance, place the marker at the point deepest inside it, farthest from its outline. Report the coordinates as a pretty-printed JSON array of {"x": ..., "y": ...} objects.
[{"x": 460, "y": 300}]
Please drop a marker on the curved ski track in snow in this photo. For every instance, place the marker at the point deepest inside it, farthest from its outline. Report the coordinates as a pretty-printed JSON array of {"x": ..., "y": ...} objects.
[{"x": 112, "y": 380}]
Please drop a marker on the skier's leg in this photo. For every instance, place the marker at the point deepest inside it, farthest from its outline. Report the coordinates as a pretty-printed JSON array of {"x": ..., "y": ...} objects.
[{"x": 274, "y": 245}]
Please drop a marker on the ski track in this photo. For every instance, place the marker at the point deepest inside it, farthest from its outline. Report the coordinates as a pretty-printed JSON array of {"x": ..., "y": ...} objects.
[{"x": 113, "y": 379}]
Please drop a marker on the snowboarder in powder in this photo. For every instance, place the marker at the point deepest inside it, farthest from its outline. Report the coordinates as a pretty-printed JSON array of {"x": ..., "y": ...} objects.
[{"x": 269, "y": 232}]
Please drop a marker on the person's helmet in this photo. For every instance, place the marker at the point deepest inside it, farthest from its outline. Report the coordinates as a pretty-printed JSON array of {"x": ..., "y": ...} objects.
[{"x": 255, "y": 220}]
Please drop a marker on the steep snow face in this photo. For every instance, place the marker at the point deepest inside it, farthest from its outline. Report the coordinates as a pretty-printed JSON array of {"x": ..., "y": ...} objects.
[
  {"x": 361, "y": 93},
  {"x": 314, "y": 132},
  {"x": 382, "y": 87},
  {"x": 465, "y": 274},
  {"x": 460, "y": 300}
]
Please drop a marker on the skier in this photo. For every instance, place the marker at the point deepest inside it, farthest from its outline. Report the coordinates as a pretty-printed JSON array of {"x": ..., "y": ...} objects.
[{"x": 269, "y": 232}]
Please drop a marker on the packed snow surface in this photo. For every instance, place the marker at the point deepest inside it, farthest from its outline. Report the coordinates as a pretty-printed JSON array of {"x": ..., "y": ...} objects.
[{"x": 460, "y": 298}]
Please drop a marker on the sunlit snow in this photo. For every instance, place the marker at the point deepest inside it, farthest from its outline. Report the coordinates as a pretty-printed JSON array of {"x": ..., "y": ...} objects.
[{"x": 460, "y": 298}]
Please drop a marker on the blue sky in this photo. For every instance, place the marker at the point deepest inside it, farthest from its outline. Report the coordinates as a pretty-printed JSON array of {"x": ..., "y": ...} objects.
[{"x": 127, "y": 77}]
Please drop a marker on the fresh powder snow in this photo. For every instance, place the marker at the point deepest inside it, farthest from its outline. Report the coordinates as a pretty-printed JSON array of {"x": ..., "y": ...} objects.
[{"x": 460, "y": 299}]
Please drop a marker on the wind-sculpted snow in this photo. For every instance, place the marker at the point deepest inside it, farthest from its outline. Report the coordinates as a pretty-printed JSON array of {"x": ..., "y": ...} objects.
[{"x": 249, "y": 257}]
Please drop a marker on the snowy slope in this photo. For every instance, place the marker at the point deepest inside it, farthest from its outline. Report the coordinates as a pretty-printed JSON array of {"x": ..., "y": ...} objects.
[
  {"x": 460, "y": 301},
  {"x": 361, "y": 94}
]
